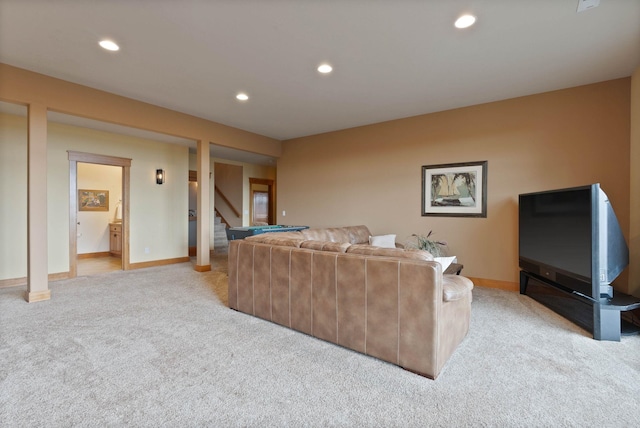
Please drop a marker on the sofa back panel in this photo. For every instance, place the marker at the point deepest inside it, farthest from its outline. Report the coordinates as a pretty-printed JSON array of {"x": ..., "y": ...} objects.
[
  {"x": 280, "y": 285},
  {"x": 385, "y": 306},
  {"x": 262, "y": 281},
  {"x": 382, "y": 308},
  {"x": 359, "y": 234},
  {"x": 351, "y": 302},
  {"x": 245, "y": 278},
  {"x": 418, "y": 327},
  {"x": 300, "y": 289},
  {"x": 256, "y": 238},
  {"x": 233, "y": 274},
  {"x": 324, "y": 312}
]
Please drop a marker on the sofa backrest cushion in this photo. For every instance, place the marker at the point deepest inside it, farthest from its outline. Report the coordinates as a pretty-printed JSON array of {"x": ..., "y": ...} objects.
[
  {"x": 332, "y": 234},
  {"x": 350, "y": 234},
  {"x": 390, "y": 252},
  {"x": 335, "y": 247},
  {"x": 359, "y": 234}
]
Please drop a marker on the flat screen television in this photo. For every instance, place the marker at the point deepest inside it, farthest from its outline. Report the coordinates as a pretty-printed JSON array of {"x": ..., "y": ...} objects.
[{"x": 572, "y": 238}]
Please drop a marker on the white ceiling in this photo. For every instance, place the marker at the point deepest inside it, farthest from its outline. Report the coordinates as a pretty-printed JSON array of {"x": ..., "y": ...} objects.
[{"x": 391, "y": 59}]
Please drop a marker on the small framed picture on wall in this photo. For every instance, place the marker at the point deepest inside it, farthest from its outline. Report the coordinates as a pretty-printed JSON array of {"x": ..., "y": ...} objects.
[
  {"x": 455, "y": 189},
  {"x": 93, "y": 200}
]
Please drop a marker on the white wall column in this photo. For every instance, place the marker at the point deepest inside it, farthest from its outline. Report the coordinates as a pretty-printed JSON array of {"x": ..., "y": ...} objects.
[
  {"x": 203, "y": 261},
  {"x": 37, "y": 250}
]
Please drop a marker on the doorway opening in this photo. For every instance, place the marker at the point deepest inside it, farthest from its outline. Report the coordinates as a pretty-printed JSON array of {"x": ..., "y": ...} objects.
[
  {"x": 262, "y": 209},
  {"x": 99, "y": 231},
  {"x": 98, "y": 220},
  {"x": 193, "y": 213}
]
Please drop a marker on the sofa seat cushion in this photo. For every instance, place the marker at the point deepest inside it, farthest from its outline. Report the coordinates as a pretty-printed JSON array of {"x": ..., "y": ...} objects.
[
  {"x": 370, "y": 250},
  {"x": 336, "y": 247},
  {"x": 455, "y": 287}
]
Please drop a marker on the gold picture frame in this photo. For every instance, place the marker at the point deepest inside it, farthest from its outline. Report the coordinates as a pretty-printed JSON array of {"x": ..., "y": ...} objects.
[{"x": 93, "y": 200}]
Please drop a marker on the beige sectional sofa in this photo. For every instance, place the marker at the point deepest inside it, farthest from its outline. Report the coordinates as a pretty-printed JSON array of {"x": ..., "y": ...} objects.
[{"x": 390, "y": 303}]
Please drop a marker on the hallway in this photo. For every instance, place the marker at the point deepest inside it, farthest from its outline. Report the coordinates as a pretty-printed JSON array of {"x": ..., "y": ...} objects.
[{"x": 96, "y": 265}]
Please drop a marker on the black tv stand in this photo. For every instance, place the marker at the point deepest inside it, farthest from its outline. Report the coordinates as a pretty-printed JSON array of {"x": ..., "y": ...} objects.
[{"x": 602, "y": 317}]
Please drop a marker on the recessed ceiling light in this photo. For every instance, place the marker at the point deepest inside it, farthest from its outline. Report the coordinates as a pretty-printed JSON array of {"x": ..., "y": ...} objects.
[
  {"x": 325, "y": 68},
  {"x": 109, "y": 45},
  {"x": 242, "y": 96},
  {"x": 465, "y": 21}
]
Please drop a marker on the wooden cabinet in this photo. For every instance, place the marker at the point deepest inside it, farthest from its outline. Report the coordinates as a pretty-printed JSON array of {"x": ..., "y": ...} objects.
[{"x": 115, "y": 239}]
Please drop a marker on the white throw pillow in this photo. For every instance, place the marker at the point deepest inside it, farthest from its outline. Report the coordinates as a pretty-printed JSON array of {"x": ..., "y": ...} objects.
[{"x": 384, "y": 241}]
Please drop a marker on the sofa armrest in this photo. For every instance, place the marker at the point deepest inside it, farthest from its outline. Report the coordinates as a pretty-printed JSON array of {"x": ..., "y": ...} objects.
[
  {"x": 370, "y": 250},
  {"x": 455, "y": 287}
]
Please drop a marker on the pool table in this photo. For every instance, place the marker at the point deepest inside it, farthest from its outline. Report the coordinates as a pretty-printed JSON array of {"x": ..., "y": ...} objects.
[{"x": 243, "y": 232}]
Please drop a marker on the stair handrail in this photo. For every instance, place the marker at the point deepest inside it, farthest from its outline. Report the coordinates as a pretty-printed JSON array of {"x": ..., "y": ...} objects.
[{"x": 224, "y": 198}]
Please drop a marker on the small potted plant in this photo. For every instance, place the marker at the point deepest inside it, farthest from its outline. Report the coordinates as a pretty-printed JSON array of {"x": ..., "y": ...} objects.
[{"x": 422, "y": 242}]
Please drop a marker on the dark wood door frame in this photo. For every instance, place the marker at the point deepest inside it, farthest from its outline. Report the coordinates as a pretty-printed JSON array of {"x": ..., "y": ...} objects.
[
  {"x": 272, "y": 199},
  {"x": 74, "y": 158},
  {"x": 254, "y": 198}
]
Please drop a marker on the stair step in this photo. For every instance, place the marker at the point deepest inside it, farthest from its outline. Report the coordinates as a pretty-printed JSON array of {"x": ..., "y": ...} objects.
[{"x": 220, "y": 242}]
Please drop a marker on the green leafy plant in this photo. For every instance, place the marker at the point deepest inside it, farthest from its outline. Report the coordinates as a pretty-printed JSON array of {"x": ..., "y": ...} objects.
[{"x": 422, "y": 242}]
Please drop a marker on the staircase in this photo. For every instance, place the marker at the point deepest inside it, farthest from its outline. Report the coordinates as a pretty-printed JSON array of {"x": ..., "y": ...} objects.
[{"x": 220, "y": 243}]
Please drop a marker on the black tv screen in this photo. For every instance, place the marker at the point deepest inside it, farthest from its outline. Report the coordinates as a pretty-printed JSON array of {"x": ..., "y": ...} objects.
[
  {"x": 555, "y": 230},
  {"x": 572, "y": 238}
]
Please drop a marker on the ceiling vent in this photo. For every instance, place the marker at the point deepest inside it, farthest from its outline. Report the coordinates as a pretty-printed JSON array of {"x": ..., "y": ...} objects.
[{"x": 587, "y": 4}]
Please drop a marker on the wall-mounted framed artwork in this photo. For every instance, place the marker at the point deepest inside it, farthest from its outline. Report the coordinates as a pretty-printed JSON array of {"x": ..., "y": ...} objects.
[
  {"x": 455, "y": 189},
  {"x": 93, "y": 200}
]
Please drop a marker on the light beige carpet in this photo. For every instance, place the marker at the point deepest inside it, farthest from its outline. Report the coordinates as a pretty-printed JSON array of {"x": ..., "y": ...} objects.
[{"x": 159, "y": 347}]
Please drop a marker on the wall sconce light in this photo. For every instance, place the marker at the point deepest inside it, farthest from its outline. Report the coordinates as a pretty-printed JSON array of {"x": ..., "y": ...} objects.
[{"x": 159, "y": 176}]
